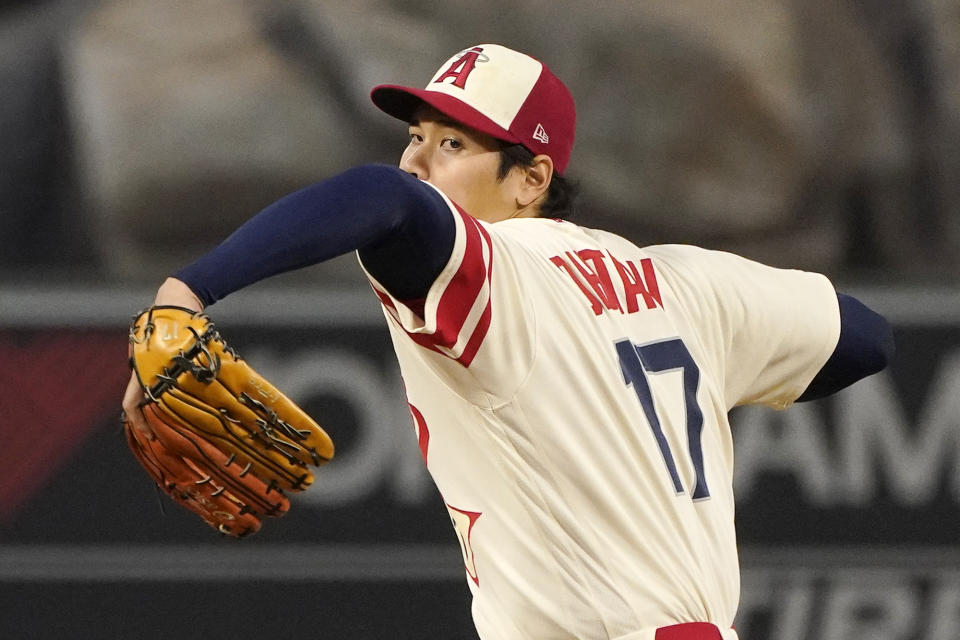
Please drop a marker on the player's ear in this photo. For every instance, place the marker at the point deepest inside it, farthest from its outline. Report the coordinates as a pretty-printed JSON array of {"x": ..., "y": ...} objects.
[{"x": 535, "y": 180}]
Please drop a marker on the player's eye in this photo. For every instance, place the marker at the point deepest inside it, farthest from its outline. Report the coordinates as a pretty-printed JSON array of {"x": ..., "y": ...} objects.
[
  {"x": 415, "y": 137},
  {"x": 451, "y": 143}
]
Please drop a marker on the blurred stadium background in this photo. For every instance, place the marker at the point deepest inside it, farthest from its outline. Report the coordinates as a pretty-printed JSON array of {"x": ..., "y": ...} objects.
[{"x": 135, "y": 134}]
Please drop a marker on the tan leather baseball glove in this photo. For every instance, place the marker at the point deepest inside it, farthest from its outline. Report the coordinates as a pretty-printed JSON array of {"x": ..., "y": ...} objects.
[{"x": 228, "y": 443}]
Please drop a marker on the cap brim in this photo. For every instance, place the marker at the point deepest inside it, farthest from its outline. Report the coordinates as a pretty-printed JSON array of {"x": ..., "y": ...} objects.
[{"x": 401, "y": 103}]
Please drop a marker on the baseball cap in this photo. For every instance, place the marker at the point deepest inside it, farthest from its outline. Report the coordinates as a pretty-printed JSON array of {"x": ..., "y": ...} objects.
[{"x": 498, "y": 91}]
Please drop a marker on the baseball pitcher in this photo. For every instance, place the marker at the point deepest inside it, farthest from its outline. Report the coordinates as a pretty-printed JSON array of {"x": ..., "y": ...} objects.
[{"x": 569, "y": 389}]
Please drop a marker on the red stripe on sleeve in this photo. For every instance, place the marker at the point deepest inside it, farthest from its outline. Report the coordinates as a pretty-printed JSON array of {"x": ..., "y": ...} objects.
[
  {"x": 462, "y": 290},
  {"x": 385, "y": 300},
  {"x": 424, "y": 340},
  {"x": 480, "y": 332},
  {"x": 457, "y": 299}
]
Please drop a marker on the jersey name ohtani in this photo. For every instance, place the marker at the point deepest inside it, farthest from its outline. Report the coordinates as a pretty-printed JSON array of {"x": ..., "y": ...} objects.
[{"x": 590, "y": 265}]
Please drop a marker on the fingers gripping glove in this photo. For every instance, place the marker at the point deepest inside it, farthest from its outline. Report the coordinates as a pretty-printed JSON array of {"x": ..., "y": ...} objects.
[{"x": 229, "y": 444}]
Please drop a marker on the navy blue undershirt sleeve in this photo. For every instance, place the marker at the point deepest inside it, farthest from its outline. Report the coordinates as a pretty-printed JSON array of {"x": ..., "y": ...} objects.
[
  {"x": 401, "y": 226},
  {"x": 864, "y": 348}
]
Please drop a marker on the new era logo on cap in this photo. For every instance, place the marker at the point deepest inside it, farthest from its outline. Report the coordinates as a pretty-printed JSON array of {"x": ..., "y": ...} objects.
[
  {"x": 540, "y": 134},
  {"x": 500, "y": 92}
]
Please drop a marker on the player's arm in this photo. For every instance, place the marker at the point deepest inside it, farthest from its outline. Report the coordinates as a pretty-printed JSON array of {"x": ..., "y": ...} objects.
[
  {"x": 865, "y": 347},
  {"x": 402, "y": 227}
]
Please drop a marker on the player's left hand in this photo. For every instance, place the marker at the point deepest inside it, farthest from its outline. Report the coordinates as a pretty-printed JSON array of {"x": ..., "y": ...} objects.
[{"x": 214, "y": 434}]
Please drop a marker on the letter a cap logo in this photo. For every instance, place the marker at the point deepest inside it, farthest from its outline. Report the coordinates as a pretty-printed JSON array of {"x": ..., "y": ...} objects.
[{"x": 497, "y": 91}]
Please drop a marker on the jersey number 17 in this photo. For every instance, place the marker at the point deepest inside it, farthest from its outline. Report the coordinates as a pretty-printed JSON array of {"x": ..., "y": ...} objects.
[{"x": 637, "y": 361}]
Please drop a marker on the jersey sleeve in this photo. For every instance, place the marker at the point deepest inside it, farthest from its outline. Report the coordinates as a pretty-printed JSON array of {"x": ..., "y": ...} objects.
[
  {"x": 767, "y": 330},
  {"x": 456, "y": 313},
  {"x": 400, "y": 224}
]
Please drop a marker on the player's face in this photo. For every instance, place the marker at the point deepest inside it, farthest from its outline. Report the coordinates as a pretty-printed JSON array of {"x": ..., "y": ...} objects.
[{"x": 462, "y": 163}]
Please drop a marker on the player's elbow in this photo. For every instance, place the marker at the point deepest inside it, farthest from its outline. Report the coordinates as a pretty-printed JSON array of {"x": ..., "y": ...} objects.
[
  {"x": 882, "y": 349},
  {"x": 872, "y": 340},
  {"x": 865, "y": 347}
]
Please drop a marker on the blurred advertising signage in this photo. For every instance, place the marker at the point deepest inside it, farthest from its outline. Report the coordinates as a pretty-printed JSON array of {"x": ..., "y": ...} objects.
[
  {"x": 903, "y": 594},
  {"x": 877, "y": 463}
]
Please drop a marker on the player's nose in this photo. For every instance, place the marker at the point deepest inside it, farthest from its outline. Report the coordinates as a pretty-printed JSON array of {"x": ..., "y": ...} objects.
[{"x": 415, "y": 163}]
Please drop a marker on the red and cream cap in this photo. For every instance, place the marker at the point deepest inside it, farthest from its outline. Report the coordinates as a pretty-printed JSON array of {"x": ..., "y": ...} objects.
[{"x": 500, "y": 92}]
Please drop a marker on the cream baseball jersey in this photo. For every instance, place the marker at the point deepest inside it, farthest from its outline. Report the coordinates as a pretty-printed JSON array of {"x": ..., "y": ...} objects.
[{"x": 569, "y": 392}]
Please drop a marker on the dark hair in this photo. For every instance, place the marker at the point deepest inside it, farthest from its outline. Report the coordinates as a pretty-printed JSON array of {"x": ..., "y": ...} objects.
[{"x": 562, "y": 193}]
